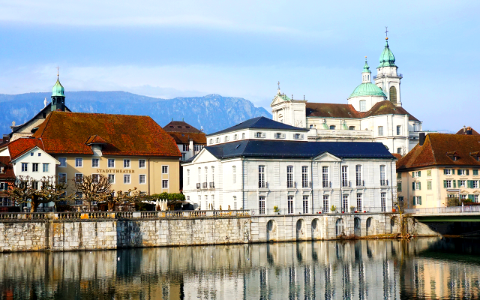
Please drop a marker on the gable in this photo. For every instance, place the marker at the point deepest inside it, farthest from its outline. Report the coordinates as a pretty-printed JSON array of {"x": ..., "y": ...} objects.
[
  {"x": 327, "y": 157},
  {"x": 45, "y": 157},
  {"x": 204, "y": 156},
  {"x": 277, "y": 100}
]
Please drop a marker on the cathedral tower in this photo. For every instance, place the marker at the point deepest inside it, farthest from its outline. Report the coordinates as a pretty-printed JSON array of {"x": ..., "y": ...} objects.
[{"x": 387, "y": 77}]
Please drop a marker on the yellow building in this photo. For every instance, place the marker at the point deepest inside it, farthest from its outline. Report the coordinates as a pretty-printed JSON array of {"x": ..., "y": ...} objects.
[
  {"x": 132, "y": 151},
  {"x": 440, "y": 170}
]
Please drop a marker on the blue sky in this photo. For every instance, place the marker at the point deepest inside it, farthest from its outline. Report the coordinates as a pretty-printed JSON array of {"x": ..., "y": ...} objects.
[{"x": 242, "y": 48}]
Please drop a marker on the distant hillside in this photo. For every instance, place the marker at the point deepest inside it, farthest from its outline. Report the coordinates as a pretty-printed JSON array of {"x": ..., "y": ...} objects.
[{"x": 213, "y": 112}]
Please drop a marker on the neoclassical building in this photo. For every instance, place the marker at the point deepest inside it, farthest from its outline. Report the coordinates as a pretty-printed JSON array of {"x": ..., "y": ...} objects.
[{"x": 373, "y": 111}]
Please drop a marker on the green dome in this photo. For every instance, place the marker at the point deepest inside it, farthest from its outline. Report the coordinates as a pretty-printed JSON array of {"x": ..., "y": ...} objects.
[
  {"x": 367, "y": 89},
  {"x": 58, "y": 89},
  {"x": 387, "y": 59}
]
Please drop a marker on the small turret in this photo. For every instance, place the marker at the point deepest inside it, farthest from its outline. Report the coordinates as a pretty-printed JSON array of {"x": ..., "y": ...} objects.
[
  {"x": 366, "y": 73},
  {"x": 58, "y": 96}
]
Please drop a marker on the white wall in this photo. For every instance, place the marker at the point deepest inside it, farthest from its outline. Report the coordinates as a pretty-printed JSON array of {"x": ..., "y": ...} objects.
[
  {"x": 251, "y": 134},
  {"x": 39, "y": 156}
]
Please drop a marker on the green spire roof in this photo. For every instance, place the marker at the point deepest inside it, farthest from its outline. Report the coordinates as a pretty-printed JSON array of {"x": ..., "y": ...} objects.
[
  {"x": 366, "y": 68},
  {"x": 387, "y": 59},
  {"x": 58, "y": 89},
  {"x": 367, "y": 89}
]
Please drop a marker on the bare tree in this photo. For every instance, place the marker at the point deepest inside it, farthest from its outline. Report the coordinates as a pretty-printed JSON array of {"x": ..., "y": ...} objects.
[
  {"x": 48, "y": 189},
  {"x": 130, "y": 196},
  {"x": 94, "y": 188}
]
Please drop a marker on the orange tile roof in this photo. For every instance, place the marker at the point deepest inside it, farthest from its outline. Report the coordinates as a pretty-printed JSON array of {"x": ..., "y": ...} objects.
[
  {"x": 180, "y": 126},
  {"x": 435, "y": 148},
  {"x": 127, "y": 135},
  {"x": 184, "y": 138},
  {"x": 387, "y": 108},
  {"x": 462, "y": 131},
  {"x": 8, "y": 169},
  {"x": 22, "y": 145}
]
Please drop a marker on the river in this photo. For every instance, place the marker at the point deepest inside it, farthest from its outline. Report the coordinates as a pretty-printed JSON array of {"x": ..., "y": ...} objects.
[{"x": 424, "y": 268}]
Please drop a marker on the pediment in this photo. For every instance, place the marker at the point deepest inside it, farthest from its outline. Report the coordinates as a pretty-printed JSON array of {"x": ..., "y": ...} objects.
[
  {"x": 327, "y": 157},
  {"x": 277, "y": 100},
  {"x": 204, "y": 156}
]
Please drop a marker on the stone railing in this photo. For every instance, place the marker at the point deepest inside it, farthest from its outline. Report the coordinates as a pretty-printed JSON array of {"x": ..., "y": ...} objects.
[
  {"x": 444, "y": 210},
  {"x": 65, "y": 216}
]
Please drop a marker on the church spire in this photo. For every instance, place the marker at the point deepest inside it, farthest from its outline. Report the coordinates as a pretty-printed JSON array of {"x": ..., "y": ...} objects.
[
  {"x": 58, "y": 95},
  {"x": 366, "y": 72}
]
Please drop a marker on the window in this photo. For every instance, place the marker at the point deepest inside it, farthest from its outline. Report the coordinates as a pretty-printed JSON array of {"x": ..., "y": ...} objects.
[
  {"x": 417, "y": 174},
  {"x": 213, "y": 174},
  {"x": 258, "y": 134},
  {"x": 297, "y": 136},
  {"x": 126, "y": 163},
  {"x": 399, "y": 186},
  {"x": 213, "y": 201},
  {"x": 305, "y": 176},
  {"x": 475, "y": 184},
  {"x": 462, "y": 172},
  {"x": 289, "y": 176},
  {"x": 78, "y": 177},
  {"x": 344, "y": 175},
  {"x": 325, "y": 207},
  {"x": 399, "y": 151},
  {"x": 363, "y": 105},
  {"x": 290, "y": 204},
  {"x": 142, "y": 179},
  {"x": 447, "y": 184},
  {"x": 226, "y": 138},
  {"x": 35, "y": 185},
  {"x": 429, "y": 185},
  {"x": 188, "y": 176},
  {"x": 243, "y": 136},
  {"x": 141, "y": 164},
  {"x": 35, "y": 167},
  {"x": 417, "y": 200},
  {"x": 234, "y": 174},
  {"x": 211, "y": 141},
  {"x": 185, "y": 147},
  {"x": 325, "y": 182},
  {"x": 111, "y": 178},
  {"x": 95, "y": 178},
  {"x": 344, "y": 202},
  {"x": 358, "y": 175},
  {"x": 429, "y": 173},
  {"x": 383, "y": 201},
  {"x": 359, "y": 201},
  {"x": 399, "y": 130},
  {"x": 261, "y": 205},
  {"x": 63, "y": 162},
  {"x": 278, "y": 135},
  {"x": 78, "y": 162},
  {"x": 351, "y": 127},
  {"x": 31, "y": 153},
  {"x": 235, "y": 136},
  {"x": 218, "y": 140},
  {"x": 305, "y": 204},
  {"x": 164, "y": 184},
  {"x": 199, "y": 175},
  {"x": 235, "y": 202},
  {"x": 448, "y": 172},
  {"x": 164, "y": 169},
  {"x": 126, "y": 178},
  {"x": 261, "y": 176},
  {"x": 62, "y": 178},
  {"x": 399, "y": 176},
  {"x": 475, "y": 172},
  {"x": 111, "y": 163},
  {"x": 382, "y": 176},
  {"x": 380, "y": 130},
  {"x": 463, "y": 197},
  {"x": 462, "y": 183},
  {"x": 332, "y": 127}
]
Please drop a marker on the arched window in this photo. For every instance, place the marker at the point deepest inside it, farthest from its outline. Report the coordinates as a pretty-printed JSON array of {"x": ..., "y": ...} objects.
[
  {"x": 393, "y": 94},
  {"x": 363, "y": 105}
]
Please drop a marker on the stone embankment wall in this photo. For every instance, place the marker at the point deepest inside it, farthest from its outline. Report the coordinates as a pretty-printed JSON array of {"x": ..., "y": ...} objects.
[{"x": 112, "y": 233}]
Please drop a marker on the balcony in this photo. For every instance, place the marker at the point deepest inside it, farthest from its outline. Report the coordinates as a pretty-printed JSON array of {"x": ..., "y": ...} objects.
[
  {"x": 383, "y": 182},
  {"x": 212, "y": 185},
  {"x": 291, "y": 185},
  {"x": 360, "y": 183},
  {"x": 327, "y": 184},
  {"x": 262, "y": 185},
  {"x": 306, "y": 184},
  {"x": 346, "y": 183},
  {"x": 205, "y": 185}
]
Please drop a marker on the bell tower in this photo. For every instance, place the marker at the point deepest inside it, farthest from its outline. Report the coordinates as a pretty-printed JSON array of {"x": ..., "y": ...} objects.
[
  {"x": 388, "y": 79},
  {"x": 58, "y": 96}
]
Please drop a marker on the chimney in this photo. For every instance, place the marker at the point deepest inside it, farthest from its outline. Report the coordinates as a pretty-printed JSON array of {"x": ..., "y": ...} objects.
[
  {"x": 421, "y": 138},
  {"x": 191, "y": 149}
]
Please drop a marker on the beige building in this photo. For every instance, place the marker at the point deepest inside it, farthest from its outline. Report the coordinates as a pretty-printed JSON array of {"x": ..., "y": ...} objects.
[
  {"x": 440, "y": 170},
  {"x": 132, "y": 151}
]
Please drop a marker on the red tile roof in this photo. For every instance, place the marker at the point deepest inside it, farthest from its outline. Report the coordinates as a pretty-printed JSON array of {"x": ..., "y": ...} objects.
[
  {"x": 95, "y": 139},
  {"x": 334, "y": 110},
  {"x": 8, "y": 169},
  {"x": 180, "y": 126},
  {"x": 68, "y": 133},
  {"x": 184, "y": 138},
  {"x": 435, "y": 148},
  {"x": 464, "y": 129},
  {"x": 22, "y": 145}
]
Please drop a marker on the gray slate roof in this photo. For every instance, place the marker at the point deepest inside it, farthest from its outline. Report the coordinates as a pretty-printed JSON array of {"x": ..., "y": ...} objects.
[{"x": 260, "y": 123}]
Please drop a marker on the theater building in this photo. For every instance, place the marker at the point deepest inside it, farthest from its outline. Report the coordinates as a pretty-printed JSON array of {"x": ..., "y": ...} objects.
[{"x": 132, "y": 151}]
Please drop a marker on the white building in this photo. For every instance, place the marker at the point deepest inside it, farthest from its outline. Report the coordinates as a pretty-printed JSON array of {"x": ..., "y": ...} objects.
[
  {"x": 296, "y": 176},
  {"x": 373, "y": 112}
]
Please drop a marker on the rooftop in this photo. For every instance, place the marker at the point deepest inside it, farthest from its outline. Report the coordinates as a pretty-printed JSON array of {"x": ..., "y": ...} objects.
[
  {"x": 260, "y": 123},
  {"x": 180, "y": 126}
]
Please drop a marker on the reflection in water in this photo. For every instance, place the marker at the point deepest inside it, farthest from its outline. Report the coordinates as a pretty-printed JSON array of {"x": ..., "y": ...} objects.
[{"x": 388, "y": 269}]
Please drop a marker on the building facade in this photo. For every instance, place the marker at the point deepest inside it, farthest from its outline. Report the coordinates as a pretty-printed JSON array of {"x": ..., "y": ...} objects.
[
  {"x": 289, "y": 176},
  {"x": 189, "y": 139},
  {"x": 373, "y": 112},
  {"x": 440, "y": 171}
]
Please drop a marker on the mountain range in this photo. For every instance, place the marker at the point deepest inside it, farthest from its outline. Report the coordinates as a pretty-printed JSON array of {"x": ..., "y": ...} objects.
[{"x": 211, "y": 112}]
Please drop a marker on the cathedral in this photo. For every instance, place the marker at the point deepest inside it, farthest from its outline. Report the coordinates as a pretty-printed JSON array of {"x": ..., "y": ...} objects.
[{"x": 373, "y": 112}]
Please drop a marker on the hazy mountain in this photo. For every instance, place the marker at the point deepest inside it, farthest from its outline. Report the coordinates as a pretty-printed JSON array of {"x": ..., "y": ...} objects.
[{"x": 213, "y": 112}]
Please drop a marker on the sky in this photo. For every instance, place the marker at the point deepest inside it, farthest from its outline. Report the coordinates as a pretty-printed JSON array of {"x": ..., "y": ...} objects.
[{"x": 188, "y": 48}]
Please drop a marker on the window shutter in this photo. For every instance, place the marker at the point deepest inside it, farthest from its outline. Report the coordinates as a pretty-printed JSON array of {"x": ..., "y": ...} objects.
[
  {"x": 444, "y": 171},
  {"x": 419, "y": 173},
  {"x": 420, "y": 200},
  {"x": 475, "y": 172},
  {"x": 413, "y": 186},
  {"x": 445, "y": 184},
  {"x": 414, "y": 200},
  {"x": 453, "y": 171},
  {"x": 413, "y": 174},
  {"x": 469, "y": 184},
  {"x": 468, "y": 172},
  {"x": 471, "y": 197},
  {"x": 419, "y": 186},
  {"x": 454, "y": 183}
]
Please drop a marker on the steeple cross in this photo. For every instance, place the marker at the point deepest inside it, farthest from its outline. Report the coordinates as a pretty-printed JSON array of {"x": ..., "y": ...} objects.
[
  {"x": 58, "y": 71},
  {"x": 279, "y": 85},
  {"x": 386, "y": 31}
]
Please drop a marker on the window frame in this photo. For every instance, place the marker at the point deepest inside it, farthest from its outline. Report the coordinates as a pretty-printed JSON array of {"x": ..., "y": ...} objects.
[
  {"x": 95, "y": 160},
  {"x": 111, "y": 160},
  {"x": 125, "y": 176},
  {"x": 127, "y": 163},
  {"x": 140, "y": 161},
  {"x": 78, "y": 162},
  {"x": 140, "y": 179}
]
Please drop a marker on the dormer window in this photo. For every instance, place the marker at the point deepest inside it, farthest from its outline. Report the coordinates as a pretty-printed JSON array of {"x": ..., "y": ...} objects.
[
  {"x": 2, "y": 170},
  {"x": 297, "y": 136},
  {"x": 211, "y": 141},
  {"x": 235, "y": 137},
  {"x": 475, "y": 155},
  {"x": 260, "y": 135},
  {"x": 453, "y": 155},
  {"x": 278, "y": 135},
  {"x": 226, "y": 139},
  {"x": 218, "y": 140}
]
